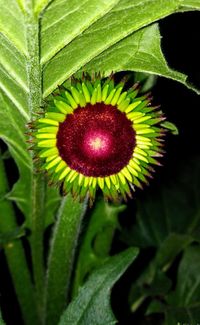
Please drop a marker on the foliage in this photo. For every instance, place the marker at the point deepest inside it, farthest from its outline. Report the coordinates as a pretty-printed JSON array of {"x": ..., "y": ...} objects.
[
  {"x": 42, "y": 44},
  {"x": 91, "y": 306}
]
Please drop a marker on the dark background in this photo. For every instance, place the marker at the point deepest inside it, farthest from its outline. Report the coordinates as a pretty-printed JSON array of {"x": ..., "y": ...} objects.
[{"x": 180, "y": 44}]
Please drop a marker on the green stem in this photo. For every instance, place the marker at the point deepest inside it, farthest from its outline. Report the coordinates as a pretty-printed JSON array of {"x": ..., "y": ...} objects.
[
  {"x": 61, "y": 258},
  {"x": 15, "y": 256},
  {"x": 38, "y": 185},
  {"x": 37, "y": 239}
]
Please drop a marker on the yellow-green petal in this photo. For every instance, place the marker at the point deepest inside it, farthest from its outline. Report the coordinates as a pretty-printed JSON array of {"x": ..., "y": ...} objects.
[
  {"x": 60, "y": 166},
  {"x": 86, "y": 92},
  {"x": 53, "y": 162},
  {"x": 48, "y": 121},
  {"x": 47, "y": 143},
  {"x": 49, "y": 152},
  {"x": 63, "y": 107},
  {"x": 46, "y": 136}
]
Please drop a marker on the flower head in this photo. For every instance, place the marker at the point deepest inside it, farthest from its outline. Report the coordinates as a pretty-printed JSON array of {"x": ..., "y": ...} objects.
[{"x": 95, "y": 134}]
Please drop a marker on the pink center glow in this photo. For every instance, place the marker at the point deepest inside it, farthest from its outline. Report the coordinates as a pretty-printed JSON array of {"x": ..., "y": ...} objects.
[
  {"x": 97, "y": 140},
  {"x": 97, "y": 144}
]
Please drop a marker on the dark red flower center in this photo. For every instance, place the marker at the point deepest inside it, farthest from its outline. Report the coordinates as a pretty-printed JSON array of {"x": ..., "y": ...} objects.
[{"x": 97, "y": 140}]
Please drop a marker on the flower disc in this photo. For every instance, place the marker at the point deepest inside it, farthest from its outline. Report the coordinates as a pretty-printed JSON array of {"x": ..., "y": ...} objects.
[
  {"x": 95, "y": 134},
  {"x": 91, "y": 140}
]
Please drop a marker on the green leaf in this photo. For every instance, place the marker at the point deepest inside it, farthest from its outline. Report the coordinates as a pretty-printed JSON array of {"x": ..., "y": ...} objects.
[
  {"x": 147, "y": 81},
  {"x": 12, "y": 24},
  {"x": 190, "y": 4},
  {"x": 63, "y": 21},
  {"x": 170, "y": 126},
  {"x": 155, "y": 306},
  {"x": 141, "y": 52},
  {"x": 180, "y": 316},
  {"x": 153, "y": 281},
  {"x": 9, "y": 236},
  {"x": 11, "y": 57},
  {"x": 187, "y": 292},
  {"x": 106, "y": 32},
  {"x": 92, "y": 305},
  {"x": 185, "y": 300},
  {"x": 96, "y": 243},
  {"x": 170, "y": 248},
  {"x": 12, "y": 128}
]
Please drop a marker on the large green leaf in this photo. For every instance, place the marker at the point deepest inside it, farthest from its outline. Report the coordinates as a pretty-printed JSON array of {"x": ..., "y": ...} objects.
[
  {"x": 140, "y": 52},
  {"x": 79, "y": 51},
  {"x": 63, "y": 21},
  {"x": 92, "y": 306}
]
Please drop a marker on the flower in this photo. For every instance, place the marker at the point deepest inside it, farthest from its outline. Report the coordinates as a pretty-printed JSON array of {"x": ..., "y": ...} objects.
[{"x": 96, "y": 134}]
